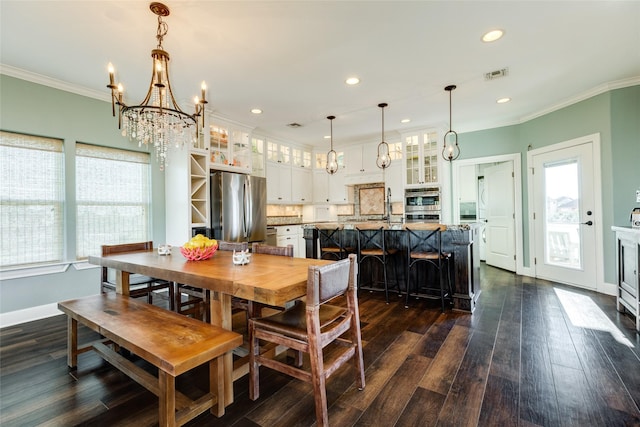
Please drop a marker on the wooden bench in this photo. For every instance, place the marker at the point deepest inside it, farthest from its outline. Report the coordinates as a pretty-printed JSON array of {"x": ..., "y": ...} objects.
[{"x": 171, "y": 342}]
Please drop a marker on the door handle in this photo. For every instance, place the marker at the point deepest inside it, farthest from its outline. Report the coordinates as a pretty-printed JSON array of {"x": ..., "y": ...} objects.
[{"x": 588, "y": 223}]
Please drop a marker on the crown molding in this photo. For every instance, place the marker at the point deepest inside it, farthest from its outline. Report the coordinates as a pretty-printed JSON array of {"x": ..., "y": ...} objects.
[
  {"x": 54, "y": 83},
  {"x": 606, "y": 87}
]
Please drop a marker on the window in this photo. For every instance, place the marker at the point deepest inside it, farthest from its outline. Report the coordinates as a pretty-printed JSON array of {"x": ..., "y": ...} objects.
[
  {"x": 32, "y": 200},
  {"x": 112, "y": 196}
]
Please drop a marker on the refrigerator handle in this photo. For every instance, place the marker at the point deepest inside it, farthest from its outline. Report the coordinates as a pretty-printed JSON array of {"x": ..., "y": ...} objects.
[{"x": 247, "y": 210}]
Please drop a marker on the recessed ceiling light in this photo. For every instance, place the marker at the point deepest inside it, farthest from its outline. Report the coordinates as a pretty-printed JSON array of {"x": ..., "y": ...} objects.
[
  {"x": 405, "y": 120},
  {"x": 503, "y": 100},
  {"x": 256, "y": 111},
  {"x": 327, "y": 137},
  {"x": 352, "y": 81},
  {"x": 492, "y": 36}
]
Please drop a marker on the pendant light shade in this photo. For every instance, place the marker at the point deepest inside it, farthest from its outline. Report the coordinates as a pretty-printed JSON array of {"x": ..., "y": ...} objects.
[
  {"x": 332, "y": 156},
  {"x": 383, "y": 160},
  {"x": 451, "y": 149}
]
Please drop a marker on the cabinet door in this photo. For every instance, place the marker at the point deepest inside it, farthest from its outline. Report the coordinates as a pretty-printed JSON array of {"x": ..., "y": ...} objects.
[
  {"x": 393, "y": 180},
  {"x": 301, "y": 185},
  {"x": 338, "y": 191},
  {"x": 369, "y": 157},
  {"x": 278, "y": 183},
  {"x": 353, "y": 160},
  {"x": 320, "y": 186}
]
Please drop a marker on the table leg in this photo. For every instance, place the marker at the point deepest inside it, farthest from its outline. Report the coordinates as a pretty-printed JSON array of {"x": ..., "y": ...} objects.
[
  {"x": 72, "y": 342},
  {"x": 220, "y": 307},
  {"x": 122, "y": 282}
]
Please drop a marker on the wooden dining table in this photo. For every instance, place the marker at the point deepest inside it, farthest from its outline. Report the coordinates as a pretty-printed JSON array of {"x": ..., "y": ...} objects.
[{"x": 268, "y": 279}]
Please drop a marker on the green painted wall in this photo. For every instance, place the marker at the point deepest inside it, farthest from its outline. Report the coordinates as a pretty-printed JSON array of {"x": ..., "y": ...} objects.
[
  {"x": 615, "y": 115},
  {"x": 41, "y": 110}
]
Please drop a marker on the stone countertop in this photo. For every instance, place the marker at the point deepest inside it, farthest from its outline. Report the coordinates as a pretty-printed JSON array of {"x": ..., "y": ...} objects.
[{"x": 394, "y": 226}]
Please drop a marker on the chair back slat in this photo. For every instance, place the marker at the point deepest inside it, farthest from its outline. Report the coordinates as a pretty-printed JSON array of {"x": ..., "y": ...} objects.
[
  {"x": 232, "y": 246},
  {"x": 259, "y": 248},
  {"x": 126, "y": 247}
]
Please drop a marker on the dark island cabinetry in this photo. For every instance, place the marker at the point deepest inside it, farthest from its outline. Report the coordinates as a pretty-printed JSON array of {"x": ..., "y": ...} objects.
[{"x": 459, "y": 240}]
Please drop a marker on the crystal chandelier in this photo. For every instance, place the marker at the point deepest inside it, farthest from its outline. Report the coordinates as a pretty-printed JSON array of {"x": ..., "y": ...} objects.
[
  {"x": 383, "y": 160},
  {"x": 158, "y": 120},
  {"x": 451, "y": 150},
  {"x": 332, "y": 156}
]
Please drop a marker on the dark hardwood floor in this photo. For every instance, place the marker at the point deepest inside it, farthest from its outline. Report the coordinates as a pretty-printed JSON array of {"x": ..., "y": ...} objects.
[{"x": 533, "y": 354}]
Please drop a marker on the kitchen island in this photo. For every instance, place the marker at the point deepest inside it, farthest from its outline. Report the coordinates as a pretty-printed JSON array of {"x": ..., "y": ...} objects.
[{"x": 459, "y": 240}]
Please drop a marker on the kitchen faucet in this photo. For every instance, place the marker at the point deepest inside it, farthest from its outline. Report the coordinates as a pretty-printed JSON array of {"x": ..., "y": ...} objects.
[{"x": 388, "y": 206}]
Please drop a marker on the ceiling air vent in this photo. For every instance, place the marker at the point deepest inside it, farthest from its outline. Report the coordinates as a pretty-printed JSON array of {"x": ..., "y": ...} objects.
[
  {"x": 294, "y": 125},
  {"x": 492, "y": 75}
]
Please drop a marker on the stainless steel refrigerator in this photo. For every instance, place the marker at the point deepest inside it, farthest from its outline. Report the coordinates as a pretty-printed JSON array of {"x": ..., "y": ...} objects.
[{"x": 238, "y": 207}]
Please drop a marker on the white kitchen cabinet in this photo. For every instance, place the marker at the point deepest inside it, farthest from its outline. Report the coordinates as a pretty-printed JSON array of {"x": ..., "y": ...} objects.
[
  {"x": 258, "y": 156},
  {"x": 331, "y": 188},
  {"x": 301, "y": 185},
  {"x": 278, "y": 183},
  {"x": 291, "y": 235},
  {"x": 360, "y": 164},
  {"x": 421, "y": 158},
  {"x": 468, "y": 183},
  {"x": 627, "y": 266},
  {"x": 230, "y": 147},
  {"x": 393, "y": 180}
]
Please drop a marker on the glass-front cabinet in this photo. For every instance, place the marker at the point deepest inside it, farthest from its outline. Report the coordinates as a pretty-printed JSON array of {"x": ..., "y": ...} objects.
[
  {"x": 230, "y": 148},
  {"x": 257, "y": 156},
  {"x": 421, "y": 158}
]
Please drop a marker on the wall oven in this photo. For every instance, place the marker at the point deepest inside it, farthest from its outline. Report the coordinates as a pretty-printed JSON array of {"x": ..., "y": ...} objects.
[{"x": 422, "y": 204}]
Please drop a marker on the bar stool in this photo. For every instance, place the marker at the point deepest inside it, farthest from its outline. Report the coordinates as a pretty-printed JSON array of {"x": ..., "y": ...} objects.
[
  {"x": 372, "y": 246},
  {"x": 424, "y": 246},
  {"x": 331, "y": 239}
]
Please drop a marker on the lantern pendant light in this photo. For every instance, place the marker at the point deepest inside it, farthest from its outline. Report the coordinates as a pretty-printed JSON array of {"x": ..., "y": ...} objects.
[
  {"x": 383, "y": 160},
  {"x": 451, "y": 149},
  {"x": 332, "y": 156}
]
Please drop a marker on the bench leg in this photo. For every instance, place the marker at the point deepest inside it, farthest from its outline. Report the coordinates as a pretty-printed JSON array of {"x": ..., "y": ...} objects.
[
  {"x": 72, "y": 342},
  {"x": 216, "y": 385},
  {"x": 167, "y": 398}
]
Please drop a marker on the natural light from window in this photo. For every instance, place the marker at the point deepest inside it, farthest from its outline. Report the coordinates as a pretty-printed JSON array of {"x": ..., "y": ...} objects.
[{"x": 584, "y": 313}]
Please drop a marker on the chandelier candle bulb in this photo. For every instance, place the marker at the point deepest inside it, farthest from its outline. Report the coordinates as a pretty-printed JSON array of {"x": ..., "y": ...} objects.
[
  {"x": 111, "y": 74},
  {"x": 204, "y": 88}
]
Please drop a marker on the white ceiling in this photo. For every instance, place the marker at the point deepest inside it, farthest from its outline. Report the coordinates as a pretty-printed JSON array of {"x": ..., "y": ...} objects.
[{"x": 291, "y": 58}]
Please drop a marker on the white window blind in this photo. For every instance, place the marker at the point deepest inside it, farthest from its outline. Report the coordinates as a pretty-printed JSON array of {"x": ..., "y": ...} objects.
[
  {"x": 32, "y": 200},
  {"x": 112, "y": 198}
]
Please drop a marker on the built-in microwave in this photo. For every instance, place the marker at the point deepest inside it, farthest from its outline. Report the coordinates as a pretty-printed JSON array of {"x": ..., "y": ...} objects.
[{"x": 422, "y": 204}]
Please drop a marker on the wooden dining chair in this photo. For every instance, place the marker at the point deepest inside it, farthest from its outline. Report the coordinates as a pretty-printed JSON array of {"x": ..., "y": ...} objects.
[
  {"x": 424, "y": 247},
  {"x": 139, "y": 285},
  {"x": 254, "y": 309},
  {"x": 309, "y": 327},
  {"x": 194, "y": 301}
]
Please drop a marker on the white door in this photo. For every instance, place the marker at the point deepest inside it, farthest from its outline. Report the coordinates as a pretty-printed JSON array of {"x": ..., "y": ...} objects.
[
  {"x": 500, "y": 216},
  {"x": 563, "y": 206}
]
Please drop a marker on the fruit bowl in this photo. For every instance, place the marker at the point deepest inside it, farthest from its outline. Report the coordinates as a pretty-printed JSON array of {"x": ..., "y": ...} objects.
[{"x": 198, "y": 254}]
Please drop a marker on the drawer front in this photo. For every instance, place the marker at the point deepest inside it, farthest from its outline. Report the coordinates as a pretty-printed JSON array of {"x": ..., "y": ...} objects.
[
  {"x": 629, "y": 301},
  {"x": 288, "y": 230}
]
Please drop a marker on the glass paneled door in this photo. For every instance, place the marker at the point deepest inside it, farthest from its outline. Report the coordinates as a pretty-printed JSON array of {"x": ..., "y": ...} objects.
[{"x": 564, "y": 232}]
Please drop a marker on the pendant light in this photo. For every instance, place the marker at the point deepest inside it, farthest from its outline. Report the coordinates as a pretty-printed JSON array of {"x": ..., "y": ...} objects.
[
  {"x": 332, "y": 156},
  {"x": 451, "y": 150},
  {"x": 383, "y": 160}
]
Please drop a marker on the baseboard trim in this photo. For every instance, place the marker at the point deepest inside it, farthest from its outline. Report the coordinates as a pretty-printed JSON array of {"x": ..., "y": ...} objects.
[{"x": 28, "y": 314}]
